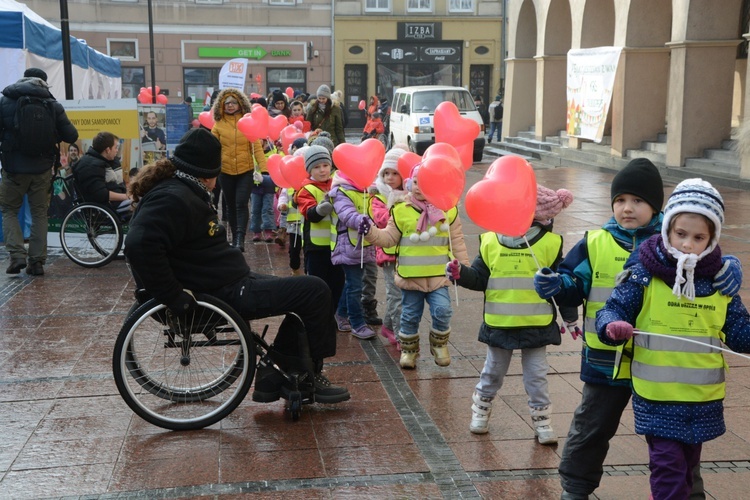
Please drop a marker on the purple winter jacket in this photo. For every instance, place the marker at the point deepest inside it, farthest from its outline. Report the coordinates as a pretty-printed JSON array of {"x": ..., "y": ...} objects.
[{"x": 348, "y": 217}]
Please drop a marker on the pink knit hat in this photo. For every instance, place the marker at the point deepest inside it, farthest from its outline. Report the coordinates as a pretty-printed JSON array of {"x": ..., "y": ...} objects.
[{"x": 550, "y": 203}]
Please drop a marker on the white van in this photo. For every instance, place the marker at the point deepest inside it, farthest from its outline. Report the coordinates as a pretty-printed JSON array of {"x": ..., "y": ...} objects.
[{"x": 412, "y": 111}]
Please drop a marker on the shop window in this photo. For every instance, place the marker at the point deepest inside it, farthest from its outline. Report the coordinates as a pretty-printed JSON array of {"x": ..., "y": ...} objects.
[
  {"x": 461, "y": 5},
  {"x": 132, "y": 81},
  {"x": 282, "y": 2},
  {"x": 201, "y": 82},
  {"x": 281, "y": 78},
  {"x": 419, "y": 5},
  {"x": 377, "y": 5},
  {"x": 124, "y": 49}
]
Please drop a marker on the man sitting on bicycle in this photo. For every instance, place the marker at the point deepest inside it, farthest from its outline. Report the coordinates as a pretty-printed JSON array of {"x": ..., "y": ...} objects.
[
  {"x": 176, "y": 246},
  {"x": 96, "y": 180}
]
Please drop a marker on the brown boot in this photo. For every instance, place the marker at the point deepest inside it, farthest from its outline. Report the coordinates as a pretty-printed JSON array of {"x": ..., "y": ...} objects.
[{"x": 281, "y": 237}]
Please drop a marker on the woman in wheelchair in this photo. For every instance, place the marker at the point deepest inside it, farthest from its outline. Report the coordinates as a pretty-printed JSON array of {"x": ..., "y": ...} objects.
[
  {"x": 96, "y": 181},
  {"x": 176, "y": 246}
]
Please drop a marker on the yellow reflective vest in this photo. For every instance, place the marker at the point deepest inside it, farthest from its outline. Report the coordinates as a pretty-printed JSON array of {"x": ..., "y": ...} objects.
[
  {"x": 670, "y": 370},
  {"x": 607, "y": 259},
  {"x": 358, "y": 200},
  {"x": 390, "y": 250},
  {"x": 292, "y": 213},
  {"x": 510, "y": 300},
  {"x": 420, "y": 259},
  {"x": 320, "y": 232}
]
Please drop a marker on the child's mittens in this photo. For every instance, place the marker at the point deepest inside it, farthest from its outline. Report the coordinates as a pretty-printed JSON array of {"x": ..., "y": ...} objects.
[
  {"x": 572, "y": 328},
  {"x": 324, "y": 208},
  {"x": 453, "y": 270},
  {"x": 364, "y": 225},
  {"x": 619, "y": 330},
  {"x": 547, "y": 283},
  {"x": 257, "y": 177},
  {"x": 729, "y": 278},
  {"x": 283, "y": 207}
]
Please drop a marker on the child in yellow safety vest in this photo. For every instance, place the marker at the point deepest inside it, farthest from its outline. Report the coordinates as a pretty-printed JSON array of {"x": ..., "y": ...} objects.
[
  {"x": 515, "y": 317},
  {"x": 669, "y": 293},
  {"x": 424, "y": 236}
]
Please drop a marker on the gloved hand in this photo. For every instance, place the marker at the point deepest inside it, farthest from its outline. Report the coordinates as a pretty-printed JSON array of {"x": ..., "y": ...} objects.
[
  {"x": 729, "y": 278},
  {"x": 547, "y": 283},
  {"x": 453, "y": 270},
  {"x": 572, "y": 328},
  {"x": 365, "y": 224},
  {"x": 283, "y": 207},
  {"x": 324, "y": 208},
  {"x": 619, "y": 330},
  {"x": 183, "y": 304},
  {"x": 257, "y": 177}
]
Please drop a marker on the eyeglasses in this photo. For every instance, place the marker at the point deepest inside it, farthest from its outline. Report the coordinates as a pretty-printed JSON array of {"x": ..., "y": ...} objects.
[{"x": 230, "y": 103}]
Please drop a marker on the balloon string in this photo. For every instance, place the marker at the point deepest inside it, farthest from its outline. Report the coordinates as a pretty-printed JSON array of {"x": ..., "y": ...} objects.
[
  {"x": 677, "y": 337},
  {"x": 362, "y": 236},
  {"x": 450, "y": 248}
]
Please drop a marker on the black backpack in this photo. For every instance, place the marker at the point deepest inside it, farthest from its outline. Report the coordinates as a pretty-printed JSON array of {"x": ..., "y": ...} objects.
[
  {"x": 35, "y": 127},
  {"x": 497, "y": 113}
]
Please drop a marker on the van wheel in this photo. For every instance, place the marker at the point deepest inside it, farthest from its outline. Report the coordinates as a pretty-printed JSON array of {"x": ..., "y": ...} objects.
[
  {"x": 412, "y": 148},
  {"x": 478, "y": 153}
]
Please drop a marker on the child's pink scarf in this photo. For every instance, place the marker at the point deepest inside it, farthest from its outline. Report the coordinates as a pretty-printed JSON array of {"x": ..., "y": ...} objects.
[{"x": 431, "y": 215}]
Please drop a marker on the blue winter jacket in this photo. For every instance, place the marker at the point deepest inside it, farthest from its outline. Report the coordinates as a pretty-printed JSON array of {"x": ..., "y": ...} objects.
[
  {"x": 575, "y": 269},
  {"x": 690, "y": 423}
]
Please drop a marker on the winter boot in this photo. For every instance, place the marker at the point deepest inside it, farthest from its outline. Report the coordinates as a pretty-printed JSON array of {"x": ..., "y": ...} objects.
[
  {"x": 409, "y": 350},
  {"x": 439, "y": 347},
  {"x": 257, "y": 237},
  {"x": 540, "y": 417},
  {"x": 324, "y": 391},
  {"x": 297, "y": 272},
  {"x": 238, "y": 241},
  {"x": 268, "y": 384},
  {"x": 371, "y": 313},
  {"x": 268, "y": 236},
  {"x": 480, "y": 414},
  {"x": 281, "y": 237}
]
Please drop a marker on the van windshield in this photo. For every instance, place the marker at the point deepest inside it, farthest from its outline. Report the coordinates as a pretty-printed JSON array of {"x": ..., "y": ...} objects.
[{"x": 426, "y": 102}]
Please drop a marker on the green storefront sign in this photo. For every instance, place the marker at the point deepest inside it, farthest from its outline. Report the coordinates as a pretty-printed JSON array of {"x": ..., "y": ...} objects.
[{"x": 245, "y": 52}]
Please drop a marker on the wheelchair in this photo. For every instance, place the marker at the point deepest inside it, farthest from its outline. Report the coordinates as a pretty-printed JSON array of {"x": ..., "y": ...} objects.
[
  {"x": 186, "y": 373},
  {"x": 91, "y": 234}
]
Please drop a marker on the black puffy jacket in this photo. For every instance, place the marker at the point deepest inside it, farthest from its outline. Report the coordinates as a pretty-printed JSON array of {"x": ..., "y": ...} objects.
[{"x": 17, "y": 162}]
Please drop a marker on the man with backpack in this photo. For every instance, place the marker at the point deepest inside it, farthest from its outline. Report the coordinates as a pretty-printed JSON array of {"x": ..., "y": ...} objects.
[
  {"x": 32, "y": 124},
  {"x": 496, "y": 118}
]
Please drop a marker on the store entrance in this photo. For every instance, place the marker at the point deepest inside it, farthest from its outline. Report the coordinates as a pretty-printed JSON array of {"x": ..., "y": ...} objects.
[{"x": 355, "y": 90}]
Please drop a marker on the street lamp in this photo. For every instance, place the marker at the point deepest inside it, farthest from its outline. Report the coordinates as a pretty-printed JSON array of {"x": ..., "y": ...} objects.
[
  {"x": 151, "y": 43},
  {"x": 65, "y": 39}
]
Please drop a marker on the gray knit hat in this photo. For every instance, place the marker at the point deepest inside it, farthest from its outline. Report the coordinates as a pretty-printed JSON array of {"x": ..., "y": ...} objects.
[
  {"x": 324, "y": 91},
  {"x": 314, "y": 155},
  {"x": 323, "y": 139}
]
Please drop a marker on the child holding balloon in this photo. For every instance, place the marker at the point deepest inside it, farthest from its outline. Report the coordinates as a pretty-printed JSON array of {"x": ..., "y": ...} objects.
[
  {"x": 388, "y": 191},
  {"x": 425, "y": 236},
  {"x": 669, "y": 294},
  {"x": 515, "y": 317}
]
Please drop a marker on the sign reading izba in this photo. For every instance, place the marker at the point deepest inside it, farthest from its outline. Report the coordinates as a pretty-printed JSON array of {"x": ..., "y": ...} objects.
[{"x": 244, "y": 52}]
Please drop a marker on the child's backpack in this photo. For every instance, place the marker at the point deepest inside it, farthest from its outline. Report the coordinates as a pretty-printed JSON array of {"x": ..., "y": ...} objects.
[{"x": 35, "y": 127}]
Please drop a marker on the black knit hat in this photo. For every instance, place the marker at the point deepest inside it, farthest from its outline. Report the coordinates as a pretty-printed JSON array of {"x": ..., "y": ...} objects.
[
  {"x": 36, "y": 73},
  {"x": 198, "y": 154},
  {"x": 641, "y": 178},
  {"x": 277, "y": 96}
]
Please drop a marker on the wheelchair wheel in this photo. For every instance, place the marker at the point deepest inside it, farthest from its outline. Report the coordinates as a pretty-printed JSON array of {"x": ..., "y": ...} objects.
[
  {"x": 184, "y": 373},
  {"x": 91, "y": 235}
]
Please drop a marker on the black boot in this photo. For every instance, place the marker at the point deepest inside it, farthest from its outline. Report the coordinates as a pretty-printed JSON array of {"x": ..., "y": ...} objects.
[
  {"x": 238, "y": 241},
  {"x": 325, "y": 392},
  {"x": 268, "y": 384},
  {"x": 371, "y": 313}
]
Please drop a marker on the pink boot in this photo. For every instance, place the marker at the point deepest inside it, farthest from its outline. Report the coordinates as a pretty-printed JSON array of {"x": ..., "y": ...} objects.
[{"x": 388, "y": 334}]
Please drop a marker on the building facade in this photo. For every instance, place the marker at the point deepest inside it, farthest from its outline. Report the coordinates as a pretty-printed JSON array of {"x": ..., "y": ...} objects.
[{"x": 381, "y": 45}]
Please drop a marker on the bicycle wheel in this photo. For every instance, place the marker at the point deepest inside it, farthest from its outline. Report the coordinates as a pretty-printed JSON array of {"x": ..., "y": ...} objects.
[
  {"x": 187, "y": 373},
  {"x": 91, "y": 235}
]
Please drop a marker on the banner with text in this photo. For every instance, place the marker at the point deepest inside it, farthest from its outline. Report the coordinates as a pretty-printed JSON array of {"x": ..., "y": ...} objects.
[
  {"x": 233, "y": 74},
  {"x": 591, "y": 78}
]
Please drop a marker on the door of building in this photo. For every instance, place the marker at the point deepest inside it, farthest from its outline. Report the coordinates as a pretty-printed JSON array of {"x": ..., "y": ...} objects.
[
  {"x": 355, "y": 90},
  {"x": 479, "y": 85}
]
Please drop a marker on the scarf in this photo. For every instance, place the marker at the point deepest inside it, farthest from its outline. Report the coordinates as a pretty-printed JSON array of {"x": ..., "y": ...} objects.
[
  {"x": 190, "y": 178},
  {"x": 677, "y": 269},
  {"x": 430, "y": 216}
]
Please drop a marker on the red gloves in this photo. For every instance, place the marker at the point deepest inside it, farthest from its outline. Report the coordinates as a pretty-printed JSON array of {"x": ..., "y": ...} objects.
[{"x": 619, "y": 330}]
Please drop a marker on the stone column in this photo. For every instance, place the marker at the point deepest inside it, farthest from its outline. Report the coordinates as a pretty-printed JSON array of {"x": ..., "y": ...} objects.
[
  {"x": 744, "y": 144},
  {"x": 699, "y": 107},
  {"x": 639, "y": 99},
  {"x": 551, "y": 95},
  {"x": 520, "y": 89}
]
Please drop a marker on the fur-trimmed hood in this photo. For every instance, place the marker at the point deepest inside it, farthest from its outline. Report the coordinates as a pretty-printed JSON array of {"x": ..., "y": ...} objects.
[{"x": 218, "y": 105}]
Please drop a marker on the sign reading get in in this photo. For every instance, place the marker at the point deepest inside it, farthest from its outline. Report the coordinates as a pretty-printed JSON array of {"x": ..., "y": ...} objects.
[{"x": 243, "y": 52}]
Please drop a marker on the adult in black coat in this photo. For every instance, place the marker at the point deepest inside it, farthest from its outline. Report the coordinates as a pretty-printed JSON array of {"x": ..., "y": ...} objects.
[{"x": 95, "y": 175}]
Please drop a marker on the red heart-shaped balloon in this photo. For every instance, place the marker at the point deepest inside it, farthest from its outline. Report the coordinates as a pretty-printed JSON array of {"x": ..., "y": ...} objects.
[
  {"x": 500, "y": 167},
  {"x": 273, "y": 164},
  {"x": 406, "y": 164},
  {"x": 466, "y": 153},
  {"x": 293, "y": 170},
  {"x": 441, "y": 180},
  {"x": 456, "y": 130},
  {"x": 251, "y": 128},
  {"x": 162, "y": 99},
  {"x": 289, "y": 134},
  {"x": 504, "y": 203},
  {"x": 289, "y": 92},
  {"x": 360, "y": 162},
  {"x": 206, "y": 118},
  {"x": 443, "y": 149},
  {"x": 276, "y": 125}
]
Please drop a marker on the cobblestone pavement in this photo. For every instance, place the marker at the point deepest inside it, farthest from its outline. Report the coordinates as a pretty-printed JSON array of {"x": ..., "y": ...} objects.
[{"x": 66, "y": 432}]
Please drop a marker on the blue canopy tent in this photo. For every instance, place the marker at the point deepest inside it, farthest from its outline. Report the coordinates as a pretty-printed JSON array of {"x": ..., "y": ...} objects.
[{"x": 27, "y": 40}]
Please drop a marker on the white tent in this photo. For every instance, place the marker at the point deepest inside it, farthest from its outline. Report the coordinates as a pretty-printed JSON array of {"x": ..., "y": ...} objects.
[{"x": 27, "y": 40}]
